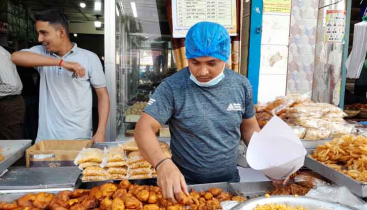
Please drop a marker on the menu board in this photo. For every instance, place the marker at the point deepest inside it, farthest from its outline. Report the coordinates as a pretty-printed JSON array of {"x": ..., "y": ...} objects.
[
  {"x": 277, "y": 6},
  {"x": 186, "y": 13}
]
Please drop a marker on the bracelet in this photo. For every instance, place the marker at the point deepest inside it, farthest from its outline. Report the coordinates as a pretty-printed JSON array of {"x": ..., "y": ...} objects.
[
  {"x": 164, "y": 159},
  {"x": 61, "y": 62}
]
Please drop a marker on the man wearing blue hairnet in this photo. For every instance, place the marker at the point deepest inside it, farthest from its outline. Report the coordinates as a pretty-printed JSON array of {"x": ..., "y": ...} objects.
[{"x": 208, "y": 108}]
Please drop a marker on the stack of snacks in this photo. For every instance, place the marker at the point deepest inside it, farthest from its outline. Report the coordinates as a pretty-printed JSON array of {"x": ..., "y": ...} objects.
[
  {"x": 139, "y": 168},
  {"x": 116, "y": 164},
  {"x": 89, "y": 160}
]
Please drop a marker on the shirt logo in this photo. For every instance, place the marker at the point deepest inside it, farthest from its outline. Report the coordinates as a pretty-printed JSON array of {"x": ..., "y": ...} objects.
[
  {"x": 151, "y": 101},
  {"x": 234, "y": 107}
]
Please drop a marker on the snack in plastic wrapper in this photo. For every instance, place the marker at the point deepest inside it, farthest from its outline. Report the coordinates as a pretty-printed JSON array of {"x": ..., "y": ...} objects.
[
  {"x": 140, "y": 171},
  {"x": 279, "y": 106},
  {"x": 141, "y": 176},
  {"x": 115, "y": 154},
  {"x": 309, "y": 123},
  {"x": 116, "y": 164},
  {"x": 299, "y": 130},
  {"x": 340, "y": 129},
  {"x": 317, "y": 134},
  {"x": 88, "y": 164},
  {"x": 118, "y": 176},
  {"x": 95, "y": 171},
  {"x": 89, "y": 155},
  {"x": 140, "y": 164},
  {"x": 117, "y": 171},
  {"x": 96, "y": 178}
]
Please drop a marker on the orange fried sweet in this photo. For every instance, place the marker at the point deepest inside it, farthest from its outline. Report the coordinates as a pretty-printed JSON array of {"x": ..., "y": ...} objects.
[
  {"x": 96, "y": 192},
  {"x": 108, "y": 189},
  {"x": 106, "y": 203},
  {"x": 79, "y": 192},
  {"x": 43, "y": 200},
  {"x": 78, "y": 207},
  {"x": 90, "y": 202},
  {"x": 215, "y": 191},
  {"x": 119, "y": 193},
  {"x": 118, "y": 204},
  {"x": 132, "y": 203},
  {"x": 9, "y": 206},
  {"x": 208, "y": 196},
  {"x": 143, "y": 195},
  {"x": 124, "y": 184},
  {"x": 26, "y": 200},
  {"x": 176, "y": 207},
  {"x": 151, "y": 207},
  {"x": 152, "y": 198}
]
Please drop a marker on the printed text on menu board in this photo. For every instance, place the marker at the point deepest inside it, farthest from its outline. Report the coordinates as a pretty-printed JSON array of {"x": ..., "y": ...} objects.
[{"x": 186, "y": 13}]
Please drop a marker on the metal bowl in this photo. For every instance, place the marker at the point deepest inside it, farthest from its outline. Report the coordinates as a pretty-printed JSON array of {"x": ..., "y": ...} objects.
[
  {"x": 310, "y": 203},
  {"x": 352, "y": 113}
]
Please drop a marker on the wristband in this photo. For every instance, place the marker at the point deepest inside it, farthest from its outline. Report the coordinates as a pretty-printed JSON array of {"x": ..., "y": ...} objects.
[
  {"x": 164, "y": 159},
  {"x": 61, "y": 62}
]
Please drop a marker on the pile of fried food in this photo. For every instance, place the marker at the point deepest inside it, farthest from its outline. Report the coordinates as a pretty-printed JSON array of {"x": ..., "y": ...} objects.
[
  {"x": 347, "y": 154},
  {"x": 278, "y": 207},
  {"x": 137, "y": 108},
  {"x": 116, "y": 163},
  {"x": 356, "y": 106},
  {"x": 121, "y": 196},
  {"x": 309, "y": 120}
]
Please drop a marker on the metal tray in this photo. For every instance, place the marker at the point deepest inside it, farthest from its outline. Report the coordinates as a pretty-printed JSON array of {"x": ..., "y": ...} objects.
[
  {"x": 310, "y": 203},
  {"x": 12, "y": 195},
  {"x": 251, "y": 189},
  {"x": 20, "y": 178},
  {"x": 12, "y": 151},
  {"x": 341, "y": 179},
  {"x": 226, "y": 187},
  {"x": 312, "y": 144}
]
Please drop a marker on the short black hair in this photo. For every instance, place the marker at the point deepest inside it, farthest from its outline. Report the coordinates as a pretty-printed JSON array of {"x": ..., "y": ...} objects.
[{"x": 54, "y": 17}]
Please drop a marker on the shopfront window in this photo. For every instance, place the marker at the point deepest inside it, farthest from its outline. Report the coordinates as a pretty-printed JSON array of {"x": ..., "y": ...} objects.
[{"x": 144, "y": 57}]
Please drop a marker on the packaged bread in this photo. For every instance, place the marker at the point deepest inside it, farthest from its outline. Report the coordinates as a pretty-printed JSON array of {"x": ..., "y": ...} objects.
[
  {"x": 339, "y": 129},
  {"x": 140, "y": 171},
  {"x": 134, "y": 156},
  {"x": 95, "y": 171},
  {"x": 317, "y": 134},
  {"x": 122, "y": 170},
  {"x": 299, "y": 130},
  {"x": 140, "y": 164},
  {"x": 140, "y": 176},
  {"x": 115, "y": 154},
  {"x": 118, "y": 176},
  {"x": 308, "y": 123},
  {"x": 88, "y": 164},
  {"x": 89, "y": 155},
  {"x": 279, "y": 106},
  {"x": 116, "y": 164}
]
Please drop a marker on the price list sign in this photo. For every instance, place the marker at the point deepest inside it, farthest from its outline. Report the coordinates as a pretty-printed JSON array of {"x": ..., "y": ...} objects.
[{"x": 186, "y": 13}]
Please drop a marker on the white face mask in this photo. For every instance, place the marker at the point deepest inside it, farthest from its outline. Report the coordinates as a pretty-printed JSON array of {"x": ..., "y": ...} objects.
[{"x": 210, "y": 83}]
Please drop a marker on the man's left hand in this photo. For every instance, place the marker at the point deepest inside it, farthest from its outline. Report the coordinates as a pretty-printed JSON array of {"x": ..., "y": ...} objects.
[{"x": 99, "y": 137}]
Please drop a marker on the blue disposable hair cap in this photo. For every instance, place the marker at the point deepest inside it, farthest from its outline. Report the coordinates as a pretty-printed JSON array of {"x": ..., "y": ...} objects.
[{"x": 208, "y": 39}]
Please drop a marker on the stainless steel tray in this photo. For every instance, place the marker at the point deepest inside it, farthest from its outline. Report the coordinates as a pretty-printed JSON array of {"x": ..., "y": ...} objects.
[
  {"x": 341, "y": 179},
  {"x": 12, "y": 195},
  {"x": 251, "y": 189},
  {"x": 311, "y": 144},
  {"x": 310, "y": 203},
  {"x": 21, "y": 178},
  {"x": 226, "y": 187},
  {"x": 12, "y": 151}
]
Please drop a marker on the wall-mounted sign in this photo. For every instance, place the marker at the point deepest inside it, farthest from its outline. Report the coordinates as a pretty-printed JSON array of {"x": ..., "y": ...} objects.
[{"x": 277, "y": 6}]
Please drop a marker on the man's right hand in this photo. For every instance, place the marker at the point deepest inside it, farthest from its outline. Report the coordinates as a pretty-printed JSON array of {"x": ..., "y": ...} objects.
[
  {"x": 74, "y": 67},
  {"x": 171, "y": 181}
]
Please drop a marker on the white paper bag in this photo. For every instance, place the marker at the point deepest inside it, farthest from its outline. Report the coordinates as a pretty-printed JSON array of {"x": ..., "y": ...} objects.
[{"x": 276, "y": 151}]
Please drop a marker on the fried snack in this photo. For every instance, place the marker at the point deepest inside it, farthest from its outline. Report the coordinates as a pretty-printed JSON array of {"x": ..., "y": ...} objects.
[
  {"x": 140, "y": 171},
  {"x": 278, "y": 207},
  {"x": 88, "y": 164},
  {"x": 27, "y": 200},
  {"x": 117, "y": 171},
  {"x": 176, "y": 207},
  {"x": 91, "y": 155},
  {"x": 90, "y": 202},
  {"x": 79, "y": 192},
  {"x": 115, "y": 154},
  {"x": 118, "y": 204},
  {"x": 108, "y": 189},
  {"x": 279, "y": 106},
  {"x": 293, "y": 189},
  {"x": 119, "y": 193},
  {"x": 61, "y": 200},
  {"x": 215, "y": 191},
  {"x": 42, "y": 200},
  {"x": 78, "y": 207},
  {"x": 95, "y": 171},
  {"x": 140, "y": 164},
  {"x": 153, "y": 198},
  {"x": 132, "y": 203},
  {"x": 124, "y": 184},
  {"x": 106, "y": 203},
  {"x": 96, "y": 192},
  {"x": 239, "y": 199},
  {"x": 151, "y": 207},
  {"x": 9, "y": 206},
  {"x": 143, "y": 195},
  {"x": 116, "y": 164}
]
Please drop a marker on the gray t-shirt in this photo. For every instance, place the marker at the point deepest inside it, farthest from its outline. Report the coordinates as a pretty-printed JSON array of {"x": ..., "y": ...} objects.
[
  {"x": 65, "y": 107},
  {"x": 204, "y": 123}
]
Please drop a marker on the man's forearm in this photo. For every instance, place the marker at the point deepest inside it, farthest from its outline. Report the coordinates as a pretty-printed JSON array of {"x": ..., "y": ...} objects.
[
  {"x": 29, "y": 59},
  {"x": 103, "y": 110},
  {"x": 148, "y": 144}
]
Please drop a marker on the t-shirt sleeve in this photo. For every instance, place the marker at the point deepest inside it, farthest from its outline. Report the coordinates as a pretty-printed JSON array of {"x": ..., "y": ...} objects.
[
  {"x": 97, "y": 76},
  {"x": 39, "y": 49},
  {"x": 248, "y": 102},
  {"x": 160, "y": 105}
]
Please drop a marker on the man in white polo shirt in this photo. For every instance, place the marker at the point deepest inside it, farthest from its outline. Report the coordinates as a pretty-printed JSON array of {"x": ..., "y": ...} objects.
[{"x": 67, "y": 74}]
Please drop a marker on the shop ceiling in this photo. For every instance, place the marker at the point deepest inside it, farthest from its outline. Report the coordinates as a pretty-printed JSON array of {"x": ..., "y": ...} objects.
[{"x": 72, "y": 8}]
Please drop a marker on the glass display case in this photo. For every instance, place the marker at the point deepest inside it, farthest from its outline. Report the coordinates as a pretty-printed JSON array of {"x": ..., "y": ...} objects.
[{"x": 144, "y": 57}]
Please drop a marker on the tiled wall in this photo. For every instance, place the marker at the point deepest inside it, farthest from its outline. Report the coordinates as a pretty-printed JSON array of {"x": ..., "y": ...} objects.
[{"x": 302, "y": 41}]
